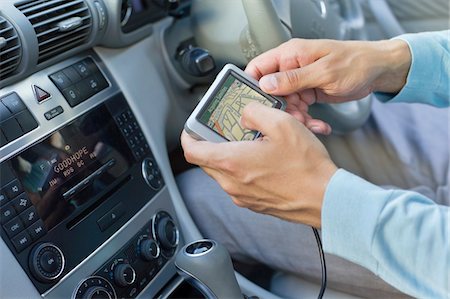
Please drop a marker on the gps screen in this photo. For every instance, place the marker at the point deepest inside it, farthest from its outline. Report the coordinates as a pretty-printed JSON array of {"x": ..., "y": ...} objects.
[{"x": 224, "y": 111}]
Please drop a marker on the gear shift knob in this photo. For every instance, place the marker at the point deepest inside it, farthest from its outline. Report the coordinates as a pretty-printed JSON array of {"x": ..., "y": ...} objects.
[{"x": 207, "y": 266}]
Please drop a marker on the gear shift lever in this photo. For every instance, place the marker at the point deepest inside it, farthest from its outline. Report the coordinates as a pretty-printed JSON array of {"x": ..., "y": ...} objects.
[{"x": 207, "y": 266}]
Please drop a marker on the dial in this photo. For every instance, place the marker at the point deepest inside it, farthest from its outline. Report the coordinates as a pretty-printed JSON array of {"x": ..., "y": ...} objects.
[
  {"x": 46, "y": 262},
  {"x": 124, "y": 275},
  {"x": 149, "y": 250},
  {"x": 166, "y": 233},
  {"x": 94, "y": 287}
]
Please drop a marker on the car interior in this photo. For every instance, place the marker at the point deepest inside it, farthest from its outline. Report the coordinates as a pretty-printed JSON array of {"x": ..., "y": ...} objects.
[{"x": 94, "y": 96}]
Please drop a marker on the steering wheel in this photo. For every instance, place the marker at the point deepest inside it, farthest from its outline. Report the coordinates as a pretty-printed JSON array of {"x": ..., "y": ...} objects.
[{"x": 238, "y": 30}]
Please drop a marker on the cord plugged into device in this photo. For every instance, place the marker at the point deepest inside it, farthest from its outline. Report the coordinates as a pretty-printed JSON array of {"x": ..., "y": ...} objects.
[{"x": 323, "y": 265}]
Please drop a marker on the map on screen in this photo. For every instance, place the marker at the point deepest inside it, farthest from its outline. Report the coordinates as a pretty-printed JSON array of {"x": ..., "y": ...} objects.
[{"x": 224, "y": 112}]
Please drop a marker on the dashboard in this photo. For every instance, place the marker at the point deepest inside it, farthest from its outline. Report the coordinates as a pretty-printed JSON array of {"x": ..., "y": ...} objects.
[{"x": 86, "y": 206}]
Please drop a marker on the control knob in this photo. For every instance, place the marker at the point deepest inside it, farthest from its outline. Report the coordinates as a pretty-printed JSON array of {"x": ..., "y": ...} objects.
[
  {"x": 97, "y": 293},
  {"x": 46, "y": 262},
  {"x": 167, "y": 233},
  {"x": 94, "y": 287},
  {"x": 196, "y": 61},
  {"x": 124, "y": 275},
  {"x": 149, "y": 250}
]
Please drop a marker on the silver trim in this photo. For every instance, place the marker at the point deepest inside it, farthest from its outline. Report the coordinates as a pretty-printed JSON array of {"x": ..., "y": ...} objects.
[
  {"x": 154, "y": 235},
  {"x": 92, "y": 277},
  {"x": 128, "y": 13},
  {"x": 127, "y": 283},
  {"x": 158, "y": 249},
  {"x": 69, "y": 24},
  {"x": 214, "y": 245},
  {"x": 145, "y": 173}
]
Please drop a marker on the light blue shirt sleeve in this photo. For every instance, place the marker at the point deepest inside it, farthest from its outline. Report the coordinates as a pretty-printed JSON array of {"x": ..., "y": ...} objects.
[
  {"x": 428, "y": 80},
  {"x": 401, "y": 236}
]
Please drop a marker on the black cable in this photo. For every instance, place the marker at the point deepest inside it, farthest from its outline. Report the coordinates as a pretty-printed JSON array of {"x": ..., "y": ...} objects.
[{"x": 322, "y": 263}]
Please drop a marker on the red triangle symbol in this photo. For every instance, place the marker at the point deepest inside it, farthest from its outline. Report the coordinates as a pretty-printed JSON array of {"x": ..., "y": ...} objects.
[{"x": 40, "y": 93}]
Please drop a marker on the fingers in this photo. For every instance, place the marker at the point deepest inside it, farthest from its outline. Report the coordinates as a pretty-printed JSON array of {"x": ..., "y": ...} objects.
[
  {"x": 318, "y": 126},
  {"x": 284, "y": 83},
  {"x": 202, "y": 153},
  {"x": 264, "y": 119},
  {"x": 263, "y": 64}
]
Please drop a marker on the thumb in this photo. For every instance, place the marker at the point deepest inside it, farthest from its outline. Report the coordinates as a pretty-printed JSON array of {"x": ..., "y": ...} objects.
[
  {"x": 263, "y": 119},
  {"x": 287, "y": 82}
]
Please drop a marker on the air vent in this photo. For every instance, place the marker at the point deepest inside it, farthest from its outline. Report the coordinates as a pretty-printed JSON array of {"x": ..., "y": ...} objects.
[
  {"x": 10, "y": 49},
  {"x": 60, "y": 25}
]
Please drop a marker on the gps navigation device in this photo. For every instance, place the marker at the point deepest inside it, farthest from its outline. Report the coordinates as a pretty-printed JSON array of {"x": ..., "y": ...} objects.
[{"x": 217, "y": 117}]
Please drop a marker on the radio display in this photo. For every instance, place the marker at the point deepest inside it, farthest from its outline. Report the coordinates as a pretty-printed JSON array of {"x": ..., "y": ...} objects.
[{"x": 64, "y": 171}]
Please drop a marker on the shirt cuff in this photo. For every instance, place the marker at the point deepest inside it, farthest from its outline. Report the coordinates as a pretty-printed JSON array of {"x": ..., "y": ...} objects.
[
  {"x": 349, "y": 217},
  {"x": 421, "y": 77}
]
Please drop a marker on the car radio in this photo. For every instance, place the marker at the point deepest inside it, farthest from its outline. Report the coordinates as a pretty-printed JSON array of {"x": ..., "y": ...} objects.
[{"x": 65, "y": 195}]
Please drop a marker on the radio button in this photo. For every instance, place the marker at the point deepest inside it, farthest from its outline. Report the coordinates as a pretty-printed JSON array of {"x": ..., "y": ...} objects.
[
  {"x": 21, "y": 203},
  {"x": 7, "y": 213},
  {"x": 13, "y": 227},
  {"x": 37, "y": 230},
  {"x": 21, "y": 241},
  {"x": 13, "y": 189},
  {"x": 29, "y": 217},
  {"x": 3, "y": 198}
]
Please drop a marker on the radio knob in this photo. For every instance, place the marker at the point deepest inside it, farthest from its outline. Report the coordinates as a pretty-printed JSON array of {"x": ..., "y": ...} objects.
[
  {"x": 149, "y": 250},
  {"x": 97, "y": 293},
  {"x": 46, "y": 262},
  {"x": 124, "y": 275}
]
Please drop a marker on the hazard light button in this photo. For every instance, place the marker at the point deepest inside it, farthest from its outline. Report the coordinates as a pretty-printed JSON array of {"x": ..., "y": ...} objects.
[{"x": 40, "y": 94}]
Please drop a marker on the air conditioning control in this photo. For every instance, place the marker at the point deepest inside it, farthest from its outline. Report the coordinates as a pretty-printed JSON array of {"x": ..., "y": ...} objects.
[
  {"x": 165, "y": 232},
  {"x": 46, "y": 262},
  {"x": 149, "y": 250},
  {"x": 124, "y": 275},
  {"x": 94, "y": 287}
]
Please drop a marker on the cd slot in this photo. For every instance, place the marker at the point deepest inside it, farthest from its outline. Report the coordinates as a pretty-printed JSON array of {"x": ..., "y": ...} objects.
[
  {"x": 88, "y": 180},
  {"x": 97, "y": 203}
]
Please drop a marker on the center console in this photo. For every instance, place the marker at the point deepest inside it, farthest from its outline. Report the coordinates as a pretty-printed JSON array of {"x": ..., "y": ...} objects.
[{"x": 83, "y": 205}]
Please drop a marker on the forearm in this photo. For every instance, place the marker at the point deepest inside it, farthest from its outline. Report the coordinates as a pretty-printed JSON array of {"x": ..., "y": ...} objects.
[{"x": 401, "y": 236}]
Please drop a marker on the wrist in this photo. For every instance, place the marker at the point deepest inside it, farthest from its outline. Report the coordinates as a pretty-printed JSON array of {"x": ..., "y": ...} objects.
[
  {"x": 325, "y": 172},
  {"x": 394, "y": 58}
]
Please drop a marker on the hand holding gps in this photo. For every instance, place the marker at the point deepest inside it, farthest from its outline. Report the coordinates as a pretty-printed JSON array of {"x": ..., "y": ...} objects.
[{"x": 217, "y": 117}]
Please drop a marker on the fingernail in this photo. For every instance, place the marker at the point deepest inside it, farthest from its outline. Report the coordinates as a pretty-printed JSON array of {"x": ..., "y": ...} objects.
[
  {"x": 268, "y": 83},
  {"x": 316, "y": 129}
]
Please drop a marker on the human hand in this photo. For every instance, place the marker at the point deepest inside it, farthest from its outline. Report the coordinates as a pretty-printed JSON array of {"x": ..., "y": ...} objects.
[
  {"x": 328, "y": 71},
  {"x": 284, "y": 173}
]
